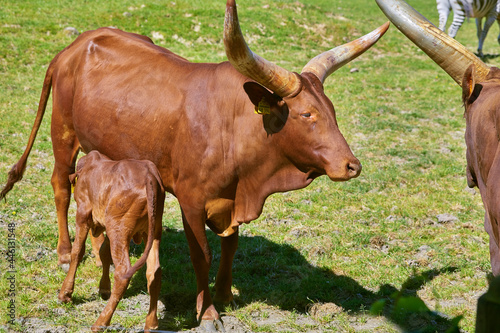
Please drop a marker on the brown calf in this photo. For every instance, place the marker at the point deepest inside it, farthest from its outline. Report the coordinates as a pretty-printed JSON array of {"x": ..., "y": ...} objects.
[{"x": 125, "y": 199}]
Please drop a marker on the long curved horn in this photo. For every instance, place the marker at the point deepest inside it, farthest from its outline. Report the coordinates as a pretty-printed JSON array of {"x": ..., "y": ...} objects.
[
  {"x": 328, "y": 62},
  {"x": 449, "y": 54},
  {"x": 279, "y": 80}
]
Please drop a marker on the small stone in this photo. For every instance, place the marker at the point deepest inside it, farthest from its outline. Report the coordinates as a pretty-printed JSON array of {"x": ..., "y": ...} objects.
[
  {"x": 446, "y": 218},
  {"x": 70, "y": 31}
]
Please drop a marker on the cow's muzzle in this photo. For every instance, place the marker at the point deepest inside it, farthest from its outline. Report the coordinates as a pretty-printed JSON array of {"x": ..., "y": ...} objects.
[{"x": 348, "y": 170}]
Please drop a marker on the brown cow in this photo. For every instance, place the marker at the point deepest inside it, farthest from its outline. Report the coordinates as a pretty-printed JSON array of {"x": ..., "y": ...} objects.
[
  {"x": 125, "y": 199},
  {"x": 480, "y": 91},
  {"x": 118, "y": 93}
]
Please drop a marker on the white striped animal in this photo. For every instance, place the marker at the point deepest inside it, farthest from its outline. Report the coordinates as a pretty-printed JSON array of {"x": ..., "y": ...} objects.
[{"x": 478, "y": 9}]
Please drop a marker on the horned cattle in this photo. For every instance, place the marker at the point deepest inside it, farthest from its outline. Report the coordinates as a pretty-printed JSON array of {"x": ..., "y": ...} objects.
[{"x": 119, "y": 94}]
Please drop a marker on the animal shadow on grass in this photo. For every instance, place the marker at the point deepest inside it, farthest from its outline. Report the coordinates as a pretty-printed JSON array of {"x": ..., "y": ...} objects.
[
  {"x": 278, "y": 275},
  {"x": 487, "y": 57}
]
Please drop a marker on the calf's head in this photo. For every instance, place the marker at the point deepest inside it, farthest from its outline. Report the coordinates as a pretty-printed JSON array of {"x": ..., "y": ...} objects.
[{"x": 295, "y": 105}]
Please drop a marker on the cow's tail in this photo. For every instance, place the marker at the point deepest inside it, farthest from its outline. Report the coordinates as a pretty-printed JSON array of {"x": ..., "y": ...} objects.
[
  {"x": 17, "y": 171},
  {"x": 154, "y": 190}
]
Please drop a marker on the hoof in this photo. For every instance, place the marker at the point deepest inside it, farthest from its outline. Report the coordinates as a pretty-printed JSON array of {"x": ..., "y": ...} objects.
[
  {"x": 98, "y": 328},
  {"x": 212, "y": 326},
  {"x": 64, "y": 267},
  {"x": 98, "y": 262},
  {"x": 64, "y": 297},
  {"x": 105, "y": 294}
]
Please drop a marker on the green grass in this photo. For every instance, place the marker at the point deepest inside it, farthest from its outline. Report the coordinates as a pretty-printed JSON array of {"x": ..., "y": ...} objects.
[{"x": 348, "y": 244}]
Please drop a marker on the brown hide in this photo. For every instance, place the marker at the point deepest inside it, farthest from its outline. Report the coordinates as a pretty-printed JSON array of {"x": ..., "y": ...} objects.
[
  {"x": 482, "y": 115},
  {"x": 124, "y": 198}
]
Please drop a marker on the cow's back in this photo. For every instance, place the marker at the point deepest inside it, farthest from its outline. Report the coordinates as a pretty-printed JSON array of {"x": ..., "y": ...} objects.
[{"x": 130, "y": 99}]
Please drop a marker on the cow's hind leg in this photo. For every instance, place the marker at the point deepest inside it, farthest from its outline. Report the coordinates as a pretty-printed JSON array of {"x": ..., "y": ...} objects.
[{"x": 66, "y": 148}]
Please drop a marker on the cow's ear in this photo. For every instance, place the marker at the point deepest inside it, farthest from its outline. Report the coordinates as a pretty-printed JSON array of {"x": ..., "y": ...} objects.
[
  {"x": 468, "y": 84},
  {"x": 273, "y": 108},
  {"x": 263, "y": 99}
]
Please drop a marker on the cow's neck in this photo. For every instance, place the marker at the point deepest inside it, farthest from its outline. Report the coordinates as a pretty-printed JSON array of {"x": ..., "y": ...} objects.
[{"x": 274, "y": 174}]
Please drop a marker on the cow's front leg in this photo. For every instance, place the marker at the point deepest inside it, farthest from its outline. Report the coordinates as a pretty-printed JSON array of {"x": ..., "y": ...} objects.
[
  {"x": 201, "y": 258},
  {"x": 224, "y": 279}
]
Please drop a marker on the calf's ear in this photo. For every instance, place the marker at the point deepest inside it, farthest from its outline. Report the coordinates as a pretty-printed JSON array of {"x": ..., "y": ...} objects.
[
  {"x": 72, "y": 178},
  {"x": 468, "y": 84}
]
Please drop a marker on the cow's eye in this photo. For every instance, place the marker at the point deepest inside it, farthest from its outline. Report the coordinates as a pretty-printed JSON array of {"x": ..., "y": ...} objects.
[{"x": 306, "y": 115}]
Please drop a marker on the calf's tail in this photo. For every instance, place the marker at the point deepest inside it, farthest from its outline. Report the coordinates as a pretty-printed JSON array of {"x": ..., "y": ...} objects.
[
  {"x": 153, "y": 191},
  {"x": 17, "y": 171}
]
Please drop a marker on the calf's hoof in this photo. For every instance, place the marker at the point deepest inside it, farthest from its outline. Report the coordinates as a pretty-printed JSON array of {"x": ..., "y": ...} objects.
[
  {"x": 64, "y": 297},
  {"x": 64, "y": 260},
  {"x": 64, "y": 267},
  {"x": 150, "y": 328},
  {"x": 212, "y": 326}
]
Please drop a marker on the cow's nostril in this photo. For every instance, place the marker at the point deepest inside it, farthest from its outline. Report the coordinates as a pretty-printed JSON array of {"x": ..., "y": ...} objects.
[{"x": 354, "y": 169}]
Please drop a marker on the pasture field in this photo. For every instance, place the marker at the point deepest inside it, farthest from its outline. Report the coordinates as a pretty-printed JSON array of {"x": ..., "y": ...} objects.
[{"x": 405, "y": 239}]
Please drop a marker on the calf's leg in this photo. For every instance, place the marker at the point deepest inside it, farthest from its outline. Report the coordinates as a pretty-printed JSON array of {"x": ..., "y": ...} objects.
[
  {"x": 77, "y": 252},
  {"x": 153, "y": 274},
  {"x": 105, "y": 255},
  {"x": 119, "y": 245},
  {"x": 97, "y": 243}
]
